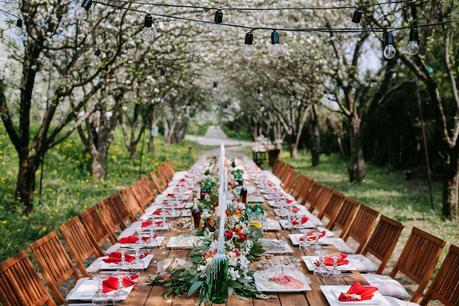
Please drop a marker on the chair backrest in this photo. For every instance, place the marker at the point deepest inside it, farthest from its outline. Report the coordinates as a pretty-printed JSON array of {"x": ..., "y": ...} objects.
[
  {"x": 306, "y": 187},
  {"x": 298, "y": 186},
  {"x": 276, "y": 166},
  {"x": 122, "y": 211},
  {"x": 96, "y": 226},
  {"x": 284, "y": 172},
  {"x": 80, "y": 244},
  {"x": 362, "y": 226},
  {"x": 109, "y": 216},
  {"x": 311, "y": 196},
  {"x": 445, "y": 286},
  {"x": 147, "y": 190},
  {"x": 345, "y": 215},
  {"x": 322, "y": 200},
  {"x": 291, "y": 181},
  {"x": 383, "y": 240},
  {"x": 287, "y": 177},
  {"x": 20, "y": 284},
  {"x": 163, "y": 175},
  {"x": 156, "y": 182},
  {"x": 418, "y": 259},
  {"x": 54, "y": 263},
  {"x": 279, "y": 168},
  {"x": 131, "y": 200},
  {"x": 334, "y": 205}
]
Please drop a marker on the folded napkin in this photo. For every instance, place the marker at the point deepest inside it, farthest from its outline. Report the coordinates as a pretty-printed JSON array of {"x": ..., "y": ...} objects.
[
  {"x": 311, "y": 236},
  {"x": 128, "y": 239},
  {"x": 115, "y": 257},
  {"x": 147, "y": 223},
  {"x": 295, "y": 210},
  {"x": 170, "y": 195},
  {"x": 158, "y": 212},
  {"x": 303, "y": 220},
  {"x": 288, "y": 201},
  {"x": 111, "y": 283},
  {"x": 328, "y": 261},
  {"x": 357, "y": 292}
]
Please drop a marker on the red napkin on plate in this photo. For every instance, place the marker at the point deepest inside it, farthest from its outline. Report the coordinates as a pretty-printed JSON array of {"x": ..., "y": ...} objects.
[
  {"x": 295, "y": 210},
  {"x": 111, "y": 283},
  {"x": 128, "y": 239},
  {"x": 328, "y": 261},
  {"x": 146, "y": 223},
  {"x": 183, "y": 180},
  {"x": 170, "y": 195},
  {"x": 303, "y": 220},
  {"x": 311, "y": 236},
  {"x": 115, "y": 257},
  {"x": 288, "y": 201},
  {"x": 158, "y": 212},
  {"x": 357, "y": 292}
]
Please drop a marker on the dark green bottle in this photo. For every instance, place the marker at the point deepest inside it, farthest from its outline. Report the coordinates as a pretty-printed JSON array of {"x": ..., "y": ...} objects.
[{"x": 219, "y": 282}]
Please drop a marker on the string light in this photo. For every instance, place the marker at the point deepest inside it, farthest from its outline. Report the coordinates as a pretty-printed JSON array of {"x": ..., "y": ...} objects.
[
  {"x": 86, "y": 4},
  {"x": 357, "y": 16},
  {"x": 247, "y": 49},
  {"x": 389, "y": 49},
  {"x": 412, "y": 48},
  {"x": 218, "y": 17},
  {"x": 147, "y": 26},
  {"x": 275, "y": 49},
  {"x": 162, "y": 75},
  {"x": 215, "y": 86},
  {"x": 19, "y": 23},
  {"x": 97, "y": 52}
]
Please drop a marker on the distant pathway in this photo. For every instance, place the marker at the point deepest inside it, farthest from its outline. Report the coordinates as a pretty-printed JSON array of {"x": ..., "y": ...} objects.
[{"x": 215, "y": 136}]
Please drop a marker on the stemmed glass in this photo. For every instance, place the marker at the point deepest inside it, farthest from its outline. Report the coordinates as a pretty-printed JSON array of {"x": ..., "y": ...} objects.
[
  {"x": 335, "y": 272},
  {"x": 321, "y": 270}
]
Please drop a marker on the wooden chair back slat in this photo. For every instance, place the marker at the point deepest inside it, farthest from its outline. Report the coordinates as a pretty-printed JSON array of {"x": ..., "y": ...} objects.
[
  {"x": 362, "y": 226},
  {"x": 383, "y": 241},
  {"x": 313, "y": 193},
  {"x": 418, "y": 259},
  {"x": 96, "y": 226},
  {"x": 322, "y": 200},
  {"x": 333, "y": 207},
  {"x": 54, "y": 263},
  {"x": 109, "y": 216},
  {"x": 20, "y": 284},
  {"x": 291, "y": 182},
  {"x": 445, "y": 286},
  {"x": 345, "y": 215},
  {"x": 80, "y": 244}
]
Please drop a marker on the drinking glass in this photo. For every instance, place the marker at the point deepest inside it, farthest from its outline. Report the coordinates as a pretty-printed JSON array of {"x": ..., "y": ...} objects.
[{"x": 335, "y": 272}]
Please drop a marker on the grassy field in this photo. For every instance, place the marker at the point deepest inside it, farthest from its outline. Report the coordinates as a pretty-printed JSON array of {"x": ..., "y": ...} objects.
[
  {"x": 68, "y": 187},
  {"x": 387, "y": 191}
]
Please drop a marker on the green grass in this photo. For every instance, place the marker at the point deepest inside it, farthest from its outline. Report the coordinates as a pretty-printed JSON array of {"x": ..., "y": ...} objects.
[
  {"x": 68, "y": 187},
  {"x": 387, "y": 191}
]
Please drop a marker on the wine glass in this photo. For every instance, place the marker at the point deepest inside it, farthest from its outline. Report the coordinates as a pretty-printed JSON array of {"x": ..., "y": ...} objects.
[
  {"x": 335, "y": 272},
  {"x": 321, "y": 269}
]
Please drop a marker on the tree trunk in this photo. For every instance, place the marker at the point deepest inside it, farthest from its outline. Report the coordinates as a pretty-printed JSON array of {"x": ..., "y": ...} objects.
[
  {"x": 25, "y": 184},
  {"x": 294, "y": 151},
  {"x": 451, "y": 184},
  {"x": 315, "y": 149},
  {"x": 98, "y": 159},
  {"x": 356, "y": 167},
  {"x": 132, "y": 151}
]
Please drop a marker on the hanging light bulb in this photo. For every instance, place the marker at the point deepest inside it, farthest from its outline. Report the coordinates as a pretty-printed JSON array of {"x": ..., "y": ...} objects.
[
  {"x": 86, "y": 4},
  {"x": 218, "y": 17},
  {"x": 215, "y": 86},
  {"x": 389, "y": 49},
  {"x": 147, "y": 27},
  {"x": 412, "y": 48},
  {"x": 162, "y": 75},
  {"x": 247, "y": 49},
  {"x": 97, "y": 52},
  {"x": 356, "y": 19},
  {"x": 276, "y": 49},
  {"x": 19, "y": 23}
]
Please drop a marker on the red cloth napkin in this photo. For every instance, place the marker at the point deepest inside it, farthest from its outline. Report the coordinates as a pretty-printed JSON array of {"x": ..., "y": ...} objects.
[
  {"x": 128, "y": 239},
  {"x": 303, "y": 220},
  {"x": 146, "y": 223},
  {"x": 170, "y": 195},
  {"x": 328, "y": 261},
  {"x": 311, "y": 236},
  {"x": 158, "y": 212},
  {"x": 115, "y": 257},
  {"x": 357, "y": 292},
  {"x": 111, "y": 283},
  {"x": 288, "y": 201},
  {"x": 183, "y": 180},
  {"x": 295, "y": 210}
]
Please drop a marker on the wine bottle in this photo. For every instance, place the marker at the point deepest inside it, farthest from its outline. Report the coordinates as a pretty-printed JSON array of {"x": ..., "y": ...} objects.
[
  {"x": 219, "y": 281},
  {"x": 196, "y": 214},
  {"x": 243, "y": 195}
]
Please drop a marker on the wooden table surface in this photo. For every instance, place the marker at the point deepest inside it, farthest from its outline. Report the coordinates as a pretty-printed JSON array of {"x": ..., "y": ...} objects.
[{"x": 152, "y": 295}]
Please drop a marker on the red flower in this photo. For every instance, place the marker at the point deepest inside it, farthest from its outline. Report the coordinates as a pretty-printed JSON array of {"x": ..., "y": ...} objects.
[
  {"x": 229, "y": 234},
  {"x": 228, "y": 213},
  {"x": 166, "y": 275},
  {"x": 242, "y": 236},
  {"x": 235, "y": 251}
]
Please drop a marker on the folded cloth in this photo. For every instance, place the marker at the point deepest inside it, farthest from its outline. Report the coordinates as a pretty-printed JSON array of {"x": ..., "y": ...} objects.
[
  {"x": 295, "y": 210},
  {"x": 357, "y": 292},
  {"x": 158, "y": 212},
  {"x": 288, "y": 201},
  {"x": 128, "y": 239},
  {"x": 303, "y": 220},
  {"x": 146, "y": 223},
  {"x": 115, "y": 257},
  {"x": 170, "y": 195},
  {"x": 111, "y": 283},
  {"x": 313, "y": 236}
]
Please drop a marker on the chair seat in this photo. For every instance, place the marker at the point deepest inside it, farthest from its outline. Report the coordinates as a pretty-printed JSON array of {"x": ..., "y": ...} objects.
[{"x": 387, "y": 286}]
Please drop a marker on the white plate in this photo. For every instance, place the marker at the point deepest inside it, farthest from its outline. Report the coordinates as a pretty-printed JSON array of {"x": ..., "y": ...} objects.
[
  {"x": 357, "y": 262},
  {"x": 338, "y": 243},
  {"x": 287, "y": 248},
  {"x": 271, "y": 225},
  {"x": 263, "y": 286},
  {"x": 153, "y": 243},
  {"x": 178, "y": 243},
  {"x": 85, "y": 289},
  {"x": 99, "y": 264},
  {"x": 332, "y": 293},
  {"x": 294, "y": 238}
]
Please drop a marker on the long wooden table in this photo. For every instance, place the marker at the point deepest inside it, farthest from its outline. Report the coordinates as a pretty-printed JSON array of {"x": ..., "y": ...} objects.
[{"x": 152, "y": 295}]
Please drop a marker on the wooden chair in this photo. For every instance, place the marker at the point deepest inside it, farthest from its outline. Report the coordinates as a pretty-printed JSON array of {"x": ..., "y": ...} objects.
[
  {"x": 20, "y": 284},
  {"x": 80, "y": 244},
  {"x": 296, "y": 191},
  {"x": 289, "y": 175},
  {"x": 131, "y": 200},
  {"x": 119, "y": 206},
  {"x": 54, "y": 263},
  {"x": 322, "y": 200},
  {"x": 345, "y": 215},
  {"x": 445, "y": 286},
  {"x": 285, "y": 171},
  {"x": 96, "y": 226},
  {"x": 333, "y": 207},
  {"x": 276, "y": 166},
  {"x": 383, "y": 241},
  {"x": 147, "y": 190},
  {"x": 110, "y": 217},
  {"x": 291, "y": 181},
  {"x": 156, "y": 182},
  {"x": 306, "y": 187},
  {"x": 362, "y": 226},
  {"x": 311, "y": 197},
  {"x": 163, "y": 176},
  {"x": 418, "y": 259}
]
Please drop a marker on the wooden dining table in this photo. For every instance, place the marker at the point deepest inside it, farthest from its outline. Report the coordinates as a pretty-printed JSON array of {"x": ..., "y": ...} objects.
[{"x": 143, "y": 294}]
